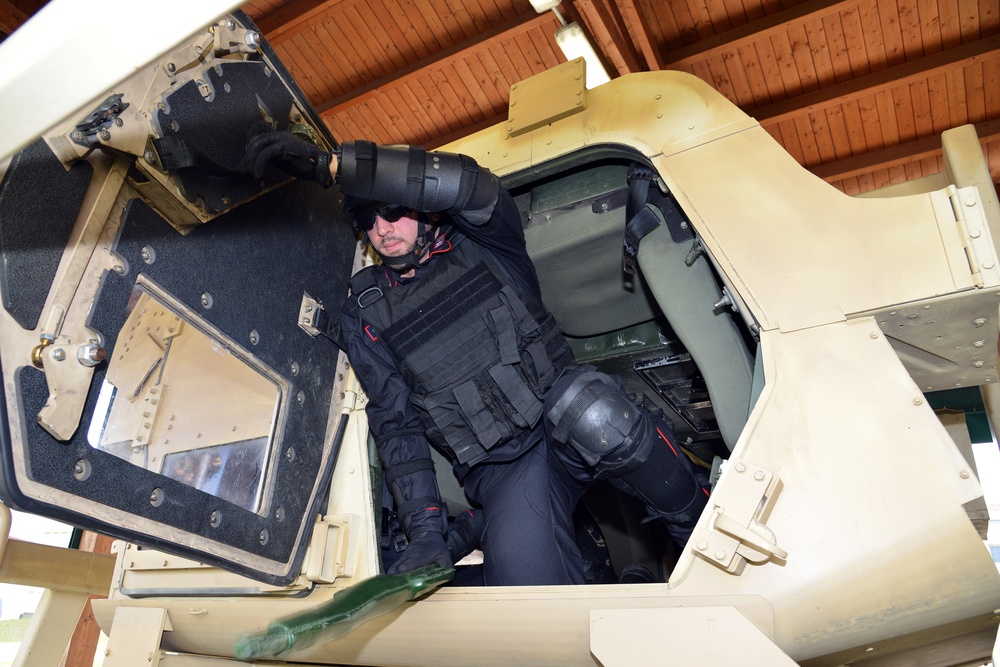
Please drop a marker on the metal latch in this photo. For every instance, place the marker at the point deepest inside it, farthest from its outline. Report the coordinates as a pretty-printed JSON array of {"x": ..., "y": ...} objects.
[
  {"x": 736, "y": 533},
  {"x": 333, "y": 549},
  {"x": 309, "y": 314}
]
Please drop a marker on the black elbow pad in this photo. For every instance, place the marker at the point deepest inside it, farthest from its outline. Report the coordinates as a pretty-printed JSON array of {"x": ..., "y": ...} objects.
[{"x": 410, "y": 176}]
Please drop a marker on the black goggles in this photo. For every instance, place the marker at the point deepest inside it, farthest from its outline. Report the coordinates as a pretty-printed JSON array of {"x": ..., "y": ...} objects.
[{"x": 365, "y": 216}]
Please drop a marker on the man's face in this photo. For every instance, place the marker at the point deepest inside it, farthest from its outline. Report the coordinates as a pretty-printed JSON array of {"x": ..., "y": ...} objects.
[{"x": 394, "y": 239}]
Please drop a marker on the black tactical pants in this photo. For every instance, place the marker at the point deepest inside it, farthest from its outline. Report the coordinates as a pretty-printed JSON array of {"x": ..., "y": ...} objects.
[{"x": 528, "y": 506}]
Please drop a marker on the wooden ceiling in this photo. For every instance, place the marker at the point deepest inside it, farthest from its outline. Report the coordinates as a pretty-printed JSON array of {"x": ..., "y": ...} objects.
[{"x": 858, "y": 91}]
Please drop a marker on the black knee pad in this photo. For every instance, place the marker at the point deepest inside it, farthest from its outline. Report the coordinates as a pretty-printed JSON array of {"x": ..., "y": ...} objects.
[{"x": 587, "y": 412}]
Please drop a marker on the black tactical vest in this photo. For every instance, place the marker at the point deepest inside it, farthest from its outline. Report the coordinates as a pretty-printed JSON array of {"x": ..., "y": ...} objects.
[{"x": 478, "y": 355}]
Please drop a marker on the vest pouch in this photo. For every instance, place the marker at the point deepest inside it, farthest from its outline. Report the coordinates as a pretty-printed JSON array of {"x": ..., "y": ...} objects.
[{"x": 459, "y": 418}]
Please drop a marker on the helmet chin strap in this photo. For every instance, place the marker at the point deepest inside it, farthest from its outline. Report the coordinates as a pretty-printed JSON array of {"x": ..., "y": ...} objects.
[{"x": 403, "y": 263}]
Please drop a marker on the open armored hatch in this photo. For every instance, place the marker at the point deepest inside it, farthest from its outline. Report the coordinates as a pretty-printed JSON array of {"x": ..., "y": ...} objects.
[{"x": 166, "y": 379}]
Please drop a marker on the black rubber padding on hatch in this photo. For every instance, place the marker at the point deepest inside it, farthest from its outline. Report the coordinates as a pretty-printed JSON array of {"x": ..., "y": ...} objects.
[
  {"x": 255, "y": 261},
  {"x": 39, "y": 201}
]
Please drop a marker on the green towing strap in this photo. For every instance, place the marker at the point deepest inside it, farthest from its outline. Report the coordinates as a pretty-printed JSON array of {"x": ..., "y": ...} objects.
[{"x": 348, "y": 609}]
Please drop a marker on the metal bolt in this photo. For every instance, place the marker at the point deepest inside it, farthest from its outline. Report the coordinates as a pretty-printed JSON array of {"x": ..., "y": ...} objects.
[
  {"x": 979, "y": 321},
  {"x": 918, "y": 401},
  {"x": 741, "y": 467},
  {"x": 230, "y": 25},
  {"x": 206, "y": 300},
  {"x": 300, "y": 397},
  {"x": 254, "y": 337},
  {"x": 78, "y": 468},
  {"x": 290, "y": 454},
  {"x": 279, "y": 514},
  {"x": 964, "y": 474},
  {"x": 263, "y": 537},
  {"x": 105, "y": 135},
  {"x": 978, "y": 343},
  {"x": 119, "y": 122},
  {"x": 873, "y": 335},
  {"x": 252, "y": 39},
  {"x": 978, "y": 364},
  {"x": 702, "y": 545},
  {"x": 148, "y": 254},
  {"x": 171, "y": 68},
  {"x": 725, "y": 301},
  {"x": 155, "y": 497},
  {"x": 59, "y": 354},
  {"x": 759, "y": 475},
  {"x": 295, "y": 368},
  {"x": 91, "y": 355},
  {"x": 215, "y": 519},
  {"x": 720, "y": 554}
]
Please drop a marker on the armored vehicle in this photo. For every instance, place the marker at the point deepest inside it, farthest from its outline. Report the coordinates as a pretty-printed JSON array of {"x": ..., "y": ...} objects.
[{"x": 168, "y": 380}]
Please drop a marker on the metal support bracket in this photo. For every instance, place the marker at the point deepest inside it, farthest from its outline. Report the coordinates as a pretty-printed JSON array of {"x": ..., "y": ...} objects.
[
  {"x": 736, "y": 533},
  {"x": 68, "y": 381},
  {"x": 135, "y": 636}
]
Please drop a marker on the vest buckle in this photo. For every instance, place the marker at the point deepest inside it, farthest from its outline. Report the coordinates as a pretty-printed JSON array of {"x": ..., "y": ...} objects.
[{"x": 369, "y": 296}]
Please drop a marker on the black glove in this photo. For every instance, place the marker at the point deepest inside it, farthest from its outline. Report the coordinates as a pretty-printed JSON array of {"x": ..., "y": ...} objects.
[
  {"x": 296, "y": 157},
  {"x": 423, "y": 549}
]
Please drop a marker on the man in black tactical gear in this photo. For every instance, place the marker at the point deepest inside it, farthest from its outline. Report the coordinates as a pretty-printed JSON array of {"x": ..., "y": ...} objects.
[{"x": 454, "y": 348}]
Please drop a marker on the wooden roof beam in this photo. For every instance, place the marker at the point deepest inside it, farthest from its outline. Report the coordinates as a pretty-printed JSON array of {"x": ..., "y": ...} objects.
[
  {"x": 869, "y": 84},
  {"x": 11, "y": 18},
  {"x": 513, "y": 27},
  {"x": 899, "y": 154},
  {"x": 610, "y": 37},
  {"x": 771, "y": 24},
  {"x": 640, "y": 33}
]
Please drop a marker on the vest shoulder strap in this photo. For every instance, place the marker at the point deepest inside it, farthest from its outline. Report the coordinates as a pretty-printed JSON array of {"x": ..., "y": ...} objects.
[{"x": 369, "y": 296}]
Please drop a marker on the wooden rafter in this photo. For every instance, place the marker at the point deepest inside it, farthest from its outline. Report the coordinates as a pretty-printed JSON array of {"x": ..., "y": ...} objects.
[
  {"x": 899, "y": 154},
  {"x": 511, "y": 28},
  {"x": 11, "y": 18},
  {"x": 636, "y": 20},
  {"x": 772, "y": 24},
  {"x": 611, "y": 38},
  {"x": 869, "y": 84}
]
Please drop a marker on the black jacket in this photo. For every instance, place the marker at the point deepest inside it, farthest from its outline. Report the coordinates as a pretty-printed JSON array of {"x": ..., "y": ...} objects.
[{"x": 480, "y": 211}]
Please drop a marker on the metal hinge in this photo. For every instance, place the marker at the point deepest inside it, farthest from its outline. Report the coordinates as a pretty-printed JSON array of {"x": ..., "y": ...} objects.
[
  {"x": 736, "y": 534},
  {"x": 974, "y": 231},
  {"x": 958, "y": 210}
]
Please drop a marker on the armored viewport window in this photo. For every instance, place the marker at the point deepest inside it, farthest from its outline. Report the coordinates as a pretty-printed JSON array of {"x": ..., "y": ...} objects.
[{"x": 180, "y": 403}]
